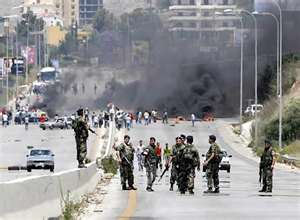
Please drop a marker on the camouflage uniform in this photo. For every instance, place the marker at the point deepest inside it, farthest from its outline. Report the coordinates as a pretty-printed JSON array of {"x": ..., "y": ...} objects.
[
  {"x": 81, "y": 135},
  {"x": 150, "y": 164},
  {"x": 212, "y": 170},
  {"x": 188, "y": 161},
  {"x": 126, "y": 165},
  {"x": 265, "y": 165},
  {"x": 174, "y": 169}
]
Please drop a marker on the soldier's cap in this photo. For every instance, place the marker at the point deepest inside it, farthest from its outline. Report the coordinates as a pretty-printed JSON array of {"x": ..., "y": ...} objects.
[
  {"x": 182, "y": 136},
  {"x": 126, "y": 136},
  {"x": 267, "y": 141},
  {"x": 212, "y": 137},
  {"x": 189, "y": 139},
  {"x": 80, "y": 111}
]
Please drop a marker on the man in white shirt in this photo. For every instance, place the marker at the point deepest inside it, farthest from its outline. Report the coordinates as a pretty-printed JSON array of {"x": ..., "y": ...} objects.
[{"x": 146, "y": 117}]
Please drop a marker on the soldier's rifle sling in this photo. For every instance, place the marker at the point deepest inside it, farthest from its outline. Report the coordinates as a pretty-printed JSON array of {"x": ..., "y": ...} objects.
[{"x": 125, "y": 158}]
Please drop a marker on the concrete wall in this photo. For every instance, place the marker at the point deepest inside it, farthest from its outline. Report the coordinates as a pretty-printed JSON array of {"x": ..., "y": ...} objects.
[{"x": 42, "y": 197}]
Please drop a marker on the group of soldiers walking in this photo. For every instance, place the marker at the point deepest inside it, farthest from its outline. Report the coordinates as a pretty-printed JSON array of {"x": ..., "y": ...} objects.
[{"x": 183, "y": 161}]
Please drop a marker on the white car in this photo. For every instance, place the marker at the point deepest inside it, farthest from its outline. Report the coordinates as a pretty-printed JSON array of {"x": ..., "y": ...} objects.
[
  {"x": 225, "y": 163},
  {"x": 251, "y": 109},
  {"x": 40, "y": 159}
]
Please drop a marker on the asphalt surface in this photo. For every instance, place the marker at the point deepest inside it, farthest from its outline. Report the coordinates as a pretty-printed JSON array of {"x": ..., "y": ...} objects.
[
  {"x": 14, "y": 140},
  {"x": 239, "y": 197}
]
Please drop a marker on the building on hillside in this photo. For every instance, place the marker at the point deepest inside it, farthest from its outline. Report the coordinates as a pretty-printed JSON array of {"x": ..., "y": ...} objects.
[
  {"x": 203, "y": 20},
  {"x": 65, "y": 10},
  {"x": 88, "y": 10}
]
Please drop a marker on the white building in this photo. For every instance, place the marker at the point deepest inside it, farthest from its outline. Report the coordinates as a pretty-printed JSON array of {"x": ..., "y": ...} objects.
[{"x": 203, "y": 19}]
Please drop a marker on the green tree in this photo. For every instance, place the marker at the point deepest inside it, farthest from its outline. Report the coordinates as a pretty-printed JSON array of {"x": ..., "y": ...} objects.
[
  {"x": 69, "y": 45},
  {"x": 104, "y": 20},
  {"x": 31, "y": 23},
  {"x": 267, "y": 86}
]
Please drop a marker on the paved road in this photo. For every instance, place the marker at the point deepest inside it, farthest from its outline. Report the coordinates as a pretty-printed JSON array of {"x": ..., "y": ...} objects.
[
  {"x": 13, "y": 148},
  {"x": 239, "y": 197}
]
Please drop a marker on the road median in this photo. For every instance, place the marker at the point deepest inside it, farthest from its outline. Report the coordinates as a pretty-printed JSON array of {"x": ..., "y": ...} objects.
[{"x": 41, "y": 197}]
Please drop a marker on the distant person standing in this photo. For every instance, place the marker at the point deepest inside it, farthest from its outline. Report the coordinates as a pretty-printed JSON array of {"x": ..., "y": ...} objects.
[
  {"x": 167, "y": 153},
  {"x": 146, "y": 117},
  {"x": 158, "y": 155},
  {"x": 165, "y": 117},
  {"x": 139, "y": 155},
  {"x": 212, "y": 162},
  {"x": 26, "y": 120},
  {"x": 140, "y": 115},
  {"x": 150, "y": 163},
  {"x": 266, "y": 166},
  {"x": 193, "y": 118},
  {"x": 126, "y": 157},
  {"x": 83, "y": 88},
  {"x": 4, "y": 119},
  {"x": 95, "y": 89},
  {"x": 81, "y": 129}
]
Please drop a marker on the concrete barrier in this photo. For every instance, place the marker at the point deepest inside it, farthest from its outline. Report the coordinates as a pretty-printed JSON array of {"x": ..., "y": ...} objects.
[{"x": 42, "y": 197}]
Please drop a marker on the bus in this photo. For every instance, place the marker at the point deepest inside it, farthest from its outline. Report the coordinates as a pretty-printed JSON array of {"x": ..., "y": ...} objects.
[{"x": 48, "y": 75}]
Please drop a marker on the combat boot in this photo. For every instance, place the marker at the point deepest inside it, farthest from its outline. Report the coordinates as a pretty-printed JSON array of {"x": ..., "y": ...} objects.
[
  {"x": 208, "y": 191},
  {"x": 124, "y": 187},
  {"x": 149, "y": 189},
  {"x": 263, "y": 189},
  {"x": 217, "y": 190},
  {"x": 191, "y": 192},
  {"x": 132, "y": 188},
  {"x": 81, "y": 165},
  {"x": 171, "y": 187}
]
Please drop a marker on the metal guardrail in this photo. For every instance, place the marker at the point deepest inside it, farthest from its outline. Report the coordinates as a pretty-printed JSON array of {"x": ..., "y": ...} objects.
[{"x": 288, "y": 158}]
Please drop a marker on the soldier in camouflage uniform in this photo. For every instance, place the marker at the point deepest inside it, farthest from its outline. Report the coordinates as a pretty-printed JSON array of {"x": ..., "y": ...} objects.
[
  {"x": 212, "y": 162},
  {"x": 266, "y": 166},
  {"x": 174, "y": 161},
  {"x": 81, "y": 135},
  {"x": 126, "y": 155},
  {"x": 150, "y": 163},
  {"x": 188, "y": 160}
]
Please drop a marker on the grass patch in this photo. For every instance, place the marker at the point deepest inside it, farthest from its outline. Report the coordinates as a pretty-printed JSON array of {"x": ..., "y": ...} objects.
[
  {"x": 71, "y": 209},
  {"x": 110, "y": 165}
]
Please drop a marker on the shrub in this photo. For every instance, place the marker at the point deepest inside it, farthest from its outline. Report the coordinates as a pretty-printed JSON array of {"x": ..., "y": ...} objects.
[
  {"x": 110, "y": 165},
  {"x": 290, "y": 123}
]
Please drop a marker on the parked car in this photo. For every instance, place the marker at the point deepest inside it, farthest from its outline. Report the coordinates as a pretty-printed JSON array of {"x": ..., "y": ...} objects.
[
  {"x": 250, "y": 110},
  {"x": 40, "y": 159},
  {"x": 59, "y": 123},
  {"x": 225, "y": 163}
]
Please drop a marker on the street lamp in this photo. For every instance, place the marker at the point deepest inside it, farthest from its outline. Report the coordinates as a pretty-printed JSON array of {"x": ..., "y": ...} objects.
[
  {"x": 6, "y": 25},
  {"x": 17, "y": 52},
  {"x": 256, "y": 72},
  {"x": 280, "y": 75},
  {"x": 241, "y": 65}
]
